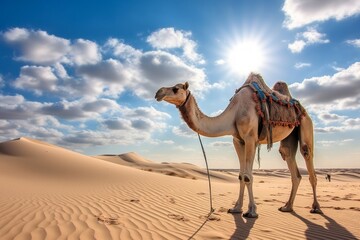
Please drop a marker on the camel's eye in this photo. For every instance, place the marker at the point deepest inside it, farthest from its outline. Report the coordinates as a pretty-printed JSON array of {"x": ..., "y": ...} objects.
[{"x": 175, "y": 89}]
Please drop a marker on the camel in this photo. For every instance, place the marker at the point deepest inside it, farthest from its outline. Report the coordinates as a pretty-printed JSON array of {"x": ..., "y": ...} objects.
[{"x": 241, "y": 120}]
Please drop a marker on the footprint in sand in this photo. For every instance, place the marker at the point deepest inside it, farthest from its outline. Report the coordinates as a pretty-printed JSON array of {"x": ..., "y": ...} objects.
[
  {"x": 212, "y": 217},
  {"x": 132, "y": 200},
  {"x": 349, "y": 196},
  {"x": 201, "y": 193},
  {"x": 177, "y": 217},
  {"x": 170, "y": 199},
  {"x": 222, "y": 209},
  {"x": 338, "y": 208},
  {"x": 276, "y": 194},
  {"x": 355, "y": 208},
  {"x": 108, "y": 220}
]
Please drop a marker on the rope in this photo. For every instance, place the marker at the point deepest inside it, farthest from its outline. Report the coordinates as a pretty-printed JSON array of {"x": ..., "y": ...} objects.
[{"x": 208, "y": 173}]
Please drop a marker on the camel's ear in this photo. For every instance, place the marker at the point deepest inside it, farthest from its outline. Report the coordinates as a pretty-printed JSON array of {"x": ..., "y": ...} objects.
[{"x": 186, "y": 86}]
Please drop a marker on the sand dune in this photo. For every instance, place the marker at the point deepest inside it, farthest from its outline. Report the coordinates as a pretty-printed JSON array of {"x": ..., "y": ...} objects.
[
  {"x": 183, "y": 170},
  {"x": 47, "y": 192}
]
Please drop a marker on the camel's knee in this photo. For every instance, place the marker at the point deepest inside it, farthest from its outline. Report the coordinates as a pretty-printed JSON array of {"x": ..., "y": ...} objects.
[
  {"x": 284, "y": 152},
  {"x": 296, "y": 179},
  {"x": 247, "y": 179},
  {"x": 306, "y": 152}
]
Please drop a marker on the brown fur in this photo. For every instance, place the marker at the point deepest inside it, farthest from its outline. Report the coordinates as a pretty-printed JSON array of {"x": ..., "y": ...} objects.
[
  {"x": 240, "y": 120},
  {"x": 185, "y": 111}
]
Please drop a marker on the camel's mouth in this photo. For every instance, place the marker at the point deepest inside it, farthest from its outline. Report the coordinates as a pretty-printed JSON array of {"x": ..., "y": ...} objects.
[
  {"x": 159, "y": 95},
  {"x": 159, "y": 99}
]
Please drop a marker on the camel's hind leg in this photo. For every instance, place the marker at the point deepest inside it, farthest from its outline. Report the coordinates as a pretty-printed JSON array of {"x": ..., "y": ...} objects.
[
  {"x": 288, "y": 148},
  {"x": 240, "y": 150},
  {"x": 307, "y": 150}
]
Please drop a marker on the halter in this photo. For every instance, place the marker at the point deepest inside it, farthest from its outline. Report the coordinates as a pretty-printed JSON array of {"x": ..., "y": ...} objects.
[{"x": 183, "y": 104}]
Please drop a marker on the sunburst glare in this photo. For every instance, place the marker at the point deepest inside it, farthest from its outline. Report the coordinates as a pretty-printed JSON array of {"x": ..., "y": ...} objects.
[{"x": 245, "y": 56}]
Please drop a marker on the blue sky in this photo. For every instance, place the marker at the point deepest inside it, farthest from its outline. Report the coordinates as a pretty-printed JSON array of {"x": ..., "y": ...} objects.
[{"x": 83, "y": 75}]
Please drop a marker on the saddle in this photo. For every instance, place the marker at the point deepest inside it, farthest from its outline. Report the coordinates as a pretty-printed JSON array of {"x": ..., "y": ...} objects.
[{"x": 275, "y": 106}]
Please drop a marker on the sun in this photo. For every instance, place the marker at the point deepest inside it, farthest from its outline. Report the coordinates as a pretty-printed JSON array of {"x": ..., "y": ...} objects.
[{"x": 245, "y": 56}]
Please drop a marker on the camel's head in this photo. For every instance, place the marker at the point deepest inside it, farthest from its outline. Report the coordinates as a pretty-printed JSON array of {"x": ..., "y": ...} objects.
[{"x": 175, "y": 95}]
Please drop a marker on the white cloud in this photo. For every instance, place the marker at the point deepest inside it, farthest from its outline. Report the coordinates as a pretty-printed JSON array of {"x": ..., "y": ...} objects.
[
  {"x": 85, "y": 52},
  {"x": 338, "y": 69},
  {"x": 79, "y": 109},
  {"x": 119, "y": 49},
  {"x": 167, "y": 38},
  {"x": 329, "y": 143},
  {"x": 144, "y": 112},
  {"x": 220, "y": 62},
  {"x": 297, "y": 46},
  {"x": 302, "y": 65},
  {"x": 21, "y": 117},
  {"x": 118, "y": 124},
  {"x": 2, "y": 83},
  {"x": 350, "y": 124},
  {"x": 340, "y": 91},
  {"x": 325, "y": 94},
  {"x": 309, "y": 37},
  {"x": 80, "y": 78},
  {"x": 184, "y": 131},
  {"x": 313, "y": 36},
  {"x": 11, "y": 100},
  {"x": 159, "y": 68},
  {"x": 303, "y": 12},
  {"x": 354, "y": 42},
  {"x": 37, "y": 46},
  {"x": 221, "y": 144},
  {"x": 327, "y": 117},
  {"x": 216, "y": 113},
  {"x": 108, "y": 77},
  {"x": 16, "y": 107},
  {"x": 60, "y": 71},
  {"x": 134, "y": 70},
  {"x": 39, "y": 79},
  {"x": 16, "y": 35}
]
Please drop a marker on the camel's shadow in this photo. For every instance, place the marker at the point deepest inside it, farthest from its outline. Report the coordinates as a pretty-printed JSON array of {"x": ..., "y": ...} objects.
[
  {"x": 243, "y": 226},
  {"x": 333, "y": 230}
]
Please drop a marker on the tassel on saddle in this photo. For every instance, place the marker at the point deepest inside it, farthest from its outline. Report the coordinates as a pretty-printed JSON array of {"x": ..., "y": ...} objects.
[{"x": 275, "y": 109}]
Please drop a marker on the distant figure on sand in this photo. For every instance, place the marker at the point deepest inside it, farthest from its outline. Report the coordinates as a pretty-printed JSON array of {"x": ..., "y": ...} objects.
[{"x": 328, "y": 177}]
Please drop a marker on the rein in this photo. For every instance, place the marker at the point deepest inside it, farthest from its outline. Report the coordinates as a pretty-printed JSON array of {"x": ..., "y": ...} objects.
[{"x": 208, "y": 173}]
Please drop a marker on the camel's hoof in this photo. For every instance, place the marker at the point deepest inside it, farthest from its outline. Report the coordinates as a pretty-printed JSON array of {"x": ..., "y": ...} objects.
[
  {"x": 316, "y": 210},
  {"x": 285, "y": 209},
  {"x": 250, "y": 215},
  {"x": 234, "y": 211}
]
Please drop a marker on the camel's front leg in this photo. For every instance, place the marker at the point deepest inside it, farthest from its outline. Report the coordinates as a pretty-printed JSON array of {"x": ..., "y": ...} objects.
[
  {"x": 240, "y": 150},
  {"x": 250, "y": 148}
]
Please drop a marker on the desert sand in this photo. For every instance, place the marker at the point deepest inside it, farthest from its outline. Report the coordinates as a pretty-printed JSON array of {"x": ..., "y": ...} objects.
[{"x": 48, "y": 192}]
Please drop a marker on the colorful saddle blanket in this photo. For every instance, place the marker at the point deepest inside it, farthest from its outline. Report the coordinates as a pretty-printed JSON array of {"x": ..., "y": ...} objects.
[{"x": 275, "y": 111}]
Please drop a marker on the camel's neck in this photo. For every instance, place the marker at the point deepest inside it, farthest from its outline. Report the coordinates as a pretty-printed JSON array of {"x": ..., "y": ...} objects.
[{"x": 207, "y": 126}]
